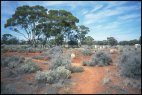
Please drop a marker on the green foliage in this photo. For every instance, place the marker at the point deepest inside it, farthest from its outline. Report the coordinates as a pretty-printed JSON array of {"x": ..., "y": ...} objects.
[
  {"x": 12, "y": 62},
  {"x": 53, "y": 76},
  {"x": 130, "y": 63},
  {"x": 87, "y": 51},
  {"x": 112, "y": 41},
  {"x": 9, "y": 39},
  {"x": 75, "y": 69},
  {"x": 88, "y": 63},
  {"x": 101, "y": 59},
  {"x": 26, "y": 17},
  {"x": 53, "y": 52},
  {"x": 82, "y": 31},
  {"x": 131, "y": 42},
  {"x": 60, "y": 60},
  {"x": 28, "y": 67},
  {"x": 88, "y": 40},
  {"x": 8, "y": 89},
  {"x": 39, "y": 57}
]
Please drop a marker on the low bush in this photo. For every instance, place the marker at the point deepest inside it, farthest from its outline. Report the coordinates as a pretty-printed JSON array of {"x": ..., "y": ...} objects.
[
  {"x": 130, "y": 64},
  {"x": 28, "y": 67},
  {"x": 87, "y": 52},
  {"x": 53, "y": 76},
  {"x": 60, "y": 60},
  {"x": 101, "y": 59},
  {"x": 8, "y": 89},
  {"x": 75, "y": 69},
  {"x": 12, "y": 62},
  {"x": 39, "y": 57},
  {"x": 88, "y": 63},
  {"x": 53, "y": 52}
]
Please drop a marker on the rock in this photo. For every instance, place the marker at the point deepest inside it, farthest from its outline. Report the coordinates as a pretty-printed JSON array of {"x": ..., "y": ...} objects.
[
  {"x": 106, "y": 80},
  {"x": 72, "y": 55}
]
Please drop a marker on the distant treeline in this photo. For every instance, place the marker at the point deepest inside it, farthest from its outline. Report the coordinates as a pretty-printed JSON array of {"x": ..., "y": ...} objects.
[{"x": 9, "y": 39}]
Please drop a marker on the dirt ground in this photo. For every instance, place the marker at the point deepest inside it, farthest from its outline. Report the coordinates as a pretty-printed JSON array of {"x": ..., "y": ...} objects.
[{"x": 88, "y": 82}]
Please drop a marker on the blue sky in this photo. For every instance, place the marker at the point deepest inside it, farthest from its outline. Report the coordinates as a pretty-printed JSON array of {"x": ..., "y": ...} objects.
[{"x": 119, "y": 19}]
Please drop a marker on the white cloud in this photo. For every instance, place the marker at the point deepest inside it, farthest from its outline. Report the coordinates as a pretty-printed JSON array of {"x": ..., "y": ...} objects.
[
  {"x": 128, "y": 16},
  {"x": 97, "y": 7},
  {"x": 105, "y": 13}
]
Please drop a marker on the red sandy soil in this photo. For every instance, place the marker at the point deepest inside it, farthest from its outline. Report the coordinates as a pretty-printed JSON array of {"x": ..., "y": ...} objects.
[
  {"x": 41, "y": 64},
  {"x": 20, "y": 54},
  {"x": 88, "y": 82},
  {"x": 91, "y": 80}
]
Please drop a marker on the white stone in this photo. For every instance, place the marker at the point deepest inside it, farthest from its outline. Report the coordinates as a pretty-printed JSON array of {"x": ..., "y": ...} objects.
[
  {"x": 113, "y": 51},
  {"x": 137, "y": 45},
  {"x": 72, "y": 55}
]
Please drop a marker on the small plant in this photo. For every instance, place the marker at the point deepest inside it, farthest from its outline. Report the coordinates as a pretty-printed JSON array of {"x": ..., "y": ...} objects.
[
  {"x": 101, "y": 59},
  {"x": 130, "y": 64},
  {"x": 75, "y": 69},
  {"x": 8, "y": 89},
  {"x": 53, "y": 52},
  {"x": 39, "y": 57},
  {"x": 28, "y": 67},
  {"x": 106, "y": 80},
  {"x": 53, "y": 76},
  {"x": 12, "y": 62},
  {"x": 60, "y": 61},
  {"x": 88, "y": 63},
  {"x": 87, "y": 52}
]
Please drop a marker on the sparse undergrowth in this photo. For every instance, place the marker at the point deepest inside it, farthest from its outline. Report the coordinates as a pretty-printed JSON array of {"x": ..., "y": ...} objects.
[
  {"x": 130, "y": 64},
  {"x": 40, "y": 57},
  {"x": 53, "y": 76},
  {"x": 28, "y": 67},
  {"x": 20, "y": 64},
  {"x": 130, "y": 67},
  {"x": 87, "y": 52},
  {"x": 99, "y": 59},
  {"x": 60, "y": 60},
  {"x": 75, "y": 69}
]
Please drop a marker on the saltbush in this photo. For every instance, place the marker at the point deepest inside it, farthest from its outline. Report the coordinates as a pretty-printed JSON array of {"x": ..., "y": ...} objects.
[
  {"x": 88, "y": 63},
  {"x": 61, "y": 60},
  {"x": 53, "y": 52},
  {"x": 53, "y": 76},
  {"x": 12, "y": 61},
  {"x": 87, "y": 51},
  {"x": 130, "y": 64},
  {"x": 101, "y": 59},
  {"x": 8, "y": 89},
  {"x": 28, "y": 67},
  {"x": 39, "y": 57},
  {"x": 75, "y": 69}
]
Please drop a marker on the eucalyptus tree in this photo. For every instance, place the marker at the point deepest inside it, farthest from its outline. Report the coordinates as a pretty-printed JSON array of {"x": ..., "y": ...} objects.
[
  {"x": 25, "y": 21},
  {"x": 82, "y": 31},
  {"x": 112, "y": 41},
  {"x": 62, "y": 23}
]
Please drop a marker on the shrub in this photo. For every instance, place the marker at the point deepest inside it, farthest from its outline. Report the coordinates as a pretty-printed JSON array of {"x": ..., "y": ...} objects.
[
  {"x": 41, "y": 76},
  {"x": 101, "y": 59},
  {"x": 75, "y": 69},
  {"x": 60, "y": 61},
  {"x": 8, "y": 89},
  {"x": 88, "y": 63},
  {"x": 28, "y": 67},
  {"x": 87, "y": 51},
  {"x": 12, "y": 62},
  {"x": 53, "y": 76},
  {"x": 39, "y": 57},
  {"x": 130, "y": 64},
  {"x": 53, "y": 52}
]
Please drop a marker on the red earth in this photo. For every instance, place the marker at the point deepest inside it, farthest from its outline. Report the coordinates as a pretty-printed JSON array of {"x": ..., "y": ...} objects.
[{"x": 88, "y": 82}]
